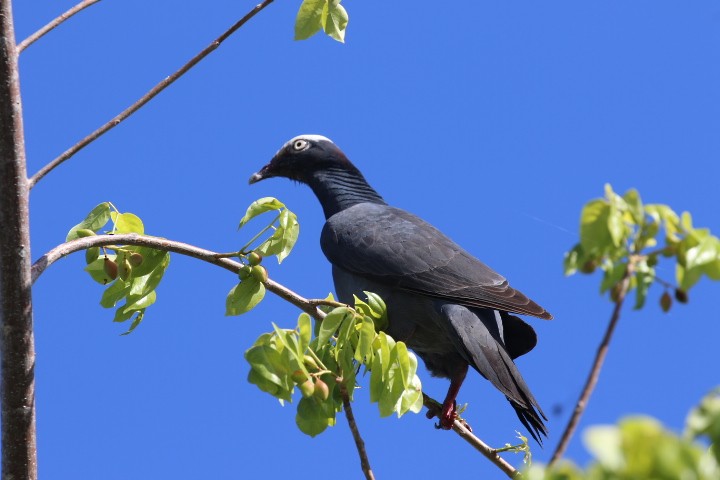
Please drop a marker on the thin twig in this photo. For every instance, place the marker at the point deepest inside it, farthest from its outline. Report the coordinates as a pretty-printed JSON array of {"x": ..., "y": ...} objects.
[
  {"x": 145, "y": 98},
  {"x": 594, "y": 373},
  {"x": 359, "y": 443},
  {"x": 169, "y": 246},
  {"x": 40, "y": 33},
  {"x": 317, "y": 302},
  {"x": 464, "y": 432}
]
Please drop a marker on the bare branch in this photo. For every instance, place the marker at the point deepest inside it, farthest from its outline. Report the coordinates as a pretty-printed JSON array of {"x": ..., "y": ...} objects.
[
  {"x": 464, "y": 432},
  {"x": 67, "y": 248},
  {"x": 40, "y": 33},
  {"x": 359, "y": 443},
  {"x": 594, "y": 373},
  {"x": 147, "y": 97},
  {"x": 17, "y": 345}
]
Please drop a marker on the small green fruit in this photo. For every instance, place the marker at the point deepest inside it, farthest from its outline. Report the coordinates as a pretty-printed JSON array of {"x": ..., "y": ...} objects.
[
  {"x": 307, "y": 388},
  {"x": 85, "y": 232},
  {"x": 244, "y": 272},
  {"x": 136, "y": 259},
  {"x": 321, "y": 390},
  {"x": 124, "y": 269},
  {"x": 111, "y": 268},
  {"x": 254, "y": 258},
  {"x": 92, "y": 254},
  {"x": 298, "y": 376},
  {"x": 260, "y": 273},
  {"x": 310, "y": 363}
]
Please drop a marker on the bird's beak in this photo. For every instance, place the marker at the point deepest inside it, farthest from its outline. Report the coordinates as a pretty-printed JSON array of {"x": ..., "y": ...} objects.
[{"x": 257, "y": 176}]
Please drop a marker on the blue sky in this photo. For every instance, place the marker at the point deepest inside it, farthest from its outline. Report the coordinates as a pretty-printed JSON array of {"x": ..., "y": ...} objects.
[{"x": 495, "y": 122}]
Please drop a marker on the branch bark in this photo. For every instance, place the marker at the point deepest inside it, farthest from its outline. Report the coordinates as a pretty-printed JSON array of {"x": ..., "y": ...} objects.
[
  {"x": 464, "y": 432},
  {"x": 359, "y": 442},
  {"x": 147, "y": 97},
  {"x": 208, "y": 256},
  {"x": 17, "y": 363},
  {"x": 54, "y": 23},
  {"x": 307, "y": 305},
  {"x": 594, "y": 373}
]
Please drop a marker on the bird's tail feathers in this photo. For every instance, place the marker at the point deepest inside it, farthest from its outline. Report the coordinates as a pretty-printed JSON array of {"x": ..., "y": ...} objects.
[{"x": 530, "y": 418}]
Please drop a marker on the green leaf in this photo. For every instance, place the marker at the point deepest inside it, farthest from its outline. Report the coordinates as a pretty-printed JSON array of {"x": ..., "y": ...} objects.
[
  {"x": 244, "y": 296},
  {"x": 330, "y": 324},
  {"x": 304, "y": 330},
  {"x": 138, "y": 319},
  {"x": 635, "y": 206},
  {"x": 685, "y": 277},
  {"x": 334, "y": 20},
  {"x": 403, "y": 361},
  {"x": 267, "y": 362},
  {"x": 92, "y": 254},
  {"x": 259, "y": 206},
  {"x": 142, "y": 285},
  {"x": 363, "y": 352},
  {"x": 704, "y": 420},
  {"x": 644, "y": 276},
  {"x": 594, "y": 226},
  {"x": 290, "y": 232},
  {"x": 616, "y": 226},
  {"x": 151, "y": 259},
  {"x": 127, "y": 223},
  {"x": 313, "y": 417},
  {"x": 95, "y": 220},
  {"x": 605, "y": 443},
  {"x": 114, "y": 293},
  {"x": 309, "y": 18},
  {"x": 613, "y": 273},
  {"x": 376, "y": 309},
  {"x": 707, "y": 251}
]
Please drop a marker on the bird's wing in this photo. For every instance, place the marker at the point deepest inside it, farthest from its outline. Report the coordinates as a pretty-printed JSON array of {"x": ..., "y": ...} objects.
[{"x": 398, "y": 249}]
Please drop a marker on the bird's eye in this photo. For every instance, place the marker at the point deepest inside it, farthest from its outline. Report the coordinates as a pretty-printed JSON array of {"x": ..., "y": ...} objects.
[{"x": 300, "y": 145}]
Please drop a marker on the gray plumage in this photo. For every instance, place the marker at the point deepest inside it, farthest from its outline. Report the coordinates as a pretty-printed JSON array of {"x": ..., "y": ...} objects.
[{"x": 449, "y": 307}]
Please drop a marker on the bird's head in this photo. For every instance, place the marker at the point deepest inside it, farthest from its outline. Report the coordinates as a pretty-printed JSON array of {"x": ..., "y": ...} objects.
[{"x": 303, "y": 156}]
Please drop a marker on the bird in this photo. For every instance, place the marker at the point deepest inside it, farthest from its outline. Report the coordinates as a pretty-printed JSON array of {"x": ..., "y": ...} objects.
[{"x": 451, "y": 309}]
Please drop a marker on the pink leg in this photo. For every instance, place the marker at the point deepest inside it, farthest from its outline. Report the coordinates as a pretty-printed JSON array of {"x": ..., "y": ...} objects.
[{"x": 448, "y": 415}]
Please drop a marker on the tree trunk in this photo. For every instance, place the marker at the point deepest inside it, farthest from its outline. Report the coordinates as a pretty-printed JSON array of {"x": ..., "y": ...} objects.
[{"x": 17, "y": 382}]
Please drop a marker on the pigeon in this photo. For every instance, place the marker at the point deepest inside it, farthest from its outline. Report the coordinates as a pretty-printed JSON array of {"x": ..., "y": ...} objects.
[{"x": 451, "y": 309}]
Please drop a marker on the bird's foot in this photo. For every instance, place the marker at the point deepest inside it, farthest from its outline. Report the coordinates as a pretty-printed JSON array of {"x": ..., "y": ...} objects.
[{"x": 448, "y": 415}]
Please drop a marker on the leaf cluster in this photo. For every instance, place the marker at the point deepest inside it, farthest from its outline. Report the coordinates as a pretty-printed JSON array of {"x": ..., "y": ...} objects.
[
  {"x": 131, "y": 273},
  {"x": 640, "y": 447},
  {"x": 325, "y": 365},
  {"x": 620, "y": 235},
  {"x": 326, "y": 15},
  {"x": 285, "y": 228}
]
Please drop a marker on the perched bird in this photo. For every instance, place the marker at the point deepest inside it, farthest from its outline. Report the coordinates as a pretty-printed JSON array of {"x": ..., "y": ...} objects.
[{"x": 450, "y": 308}]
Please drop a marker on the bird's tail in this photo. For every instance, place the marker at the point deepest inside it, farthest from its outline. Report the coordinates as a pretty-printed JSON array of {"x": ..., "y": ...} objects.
[{"x": 530, "y": 418}]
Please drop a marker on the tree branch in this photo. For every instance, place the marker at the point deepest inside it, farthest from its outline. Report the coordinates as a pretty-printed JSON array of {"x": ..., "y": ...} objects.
[
  {"x": 594, "y": 373},
  {"x": 147, "y": 97},
  {"x": 40, "y": 33},
  {"x": 17, "y": 345},
  {"x": 359, "y": 443},
  {"x": 464, "y": 432},
  {"x": 307, "y": 305},
  {"x": 208, "y": 256}
]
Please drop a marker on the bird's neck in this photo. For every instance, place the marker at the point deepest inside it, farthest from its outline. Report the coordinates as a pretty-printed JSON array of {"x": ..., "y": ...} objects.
[{"x": 338, "y": 189}]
